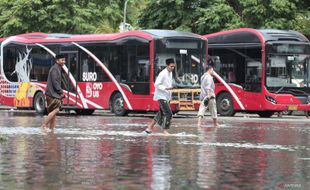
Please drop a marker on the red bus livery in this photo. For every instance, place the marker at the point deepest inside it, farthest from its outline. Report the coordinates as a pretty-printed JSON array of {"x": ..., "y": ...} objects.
[
  {"x": 267, "y": 70},
  {"x": 102, "y": 71}
]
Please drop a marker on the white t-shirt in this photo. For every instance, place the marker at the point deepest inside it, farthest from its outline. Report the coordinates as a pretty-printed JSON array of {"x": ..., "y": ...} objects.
[
  {"x": 163, "y": 81},
  {"x": 207, "y": 83}
]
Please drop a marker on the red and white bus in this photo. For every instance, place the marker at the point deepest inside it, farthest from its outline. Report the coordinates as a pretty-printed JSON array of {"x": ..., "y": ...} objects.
[
  {"x": 102, "y": 71},
  {"x": 266, "y": 70}
]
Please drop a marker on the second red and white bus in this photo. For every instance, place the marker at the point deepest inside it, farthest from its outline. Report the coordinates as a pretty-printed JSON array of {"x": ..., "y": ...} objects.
[
  {"x": 102, "y": 71},
  {"x": 266, "y": 70}
]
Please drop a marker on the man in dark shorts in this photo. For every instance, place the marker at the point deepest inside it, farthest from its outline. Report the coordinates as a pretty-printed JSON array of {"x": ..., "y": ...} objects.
[{"x": 53, "y": 92}]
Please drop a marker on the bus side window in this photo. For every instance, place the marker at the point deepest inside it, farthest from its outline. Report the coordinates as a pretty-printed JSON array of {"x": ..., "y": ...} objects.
[
  {"x": 85, "y": 65},
  {"x": 89, "y": 65},
  {"x": 143, "y": 63}
]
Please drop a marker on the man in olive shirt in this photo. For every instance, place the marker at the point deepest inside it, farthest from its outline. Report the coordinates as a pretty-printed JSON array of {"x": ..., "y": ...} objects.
[{"x": 53, "y": 92}]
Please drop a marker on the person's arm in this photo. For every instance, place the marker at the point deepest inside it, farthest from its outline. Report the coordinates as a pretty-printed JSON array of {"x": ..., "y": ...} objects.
[
  {"x": 56, "y": 81},
  {"x": 208, "y": 87}
]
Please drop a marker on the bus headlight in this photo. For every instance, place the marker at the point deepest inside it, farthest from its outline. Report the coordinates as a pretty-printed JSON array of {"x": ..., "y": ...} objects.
[{"x": 271, "y": 99}]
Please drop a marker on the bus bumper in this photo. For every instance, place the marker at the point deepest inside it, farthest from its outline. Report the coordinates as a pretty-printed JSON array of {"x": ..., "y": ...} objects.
[{"x": 290, "y": 107}]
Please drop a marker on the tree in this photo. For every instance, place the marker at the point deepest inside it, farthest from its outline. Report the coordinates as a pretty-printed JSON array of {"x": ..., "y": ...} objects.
[
  {"x": 218, "y": 15},
  {"x": 113, "y": 14},
  {"x": 207, "y": 16},
  {"x": 66, "y": 16},
  {"x": 169, "y": 14}
]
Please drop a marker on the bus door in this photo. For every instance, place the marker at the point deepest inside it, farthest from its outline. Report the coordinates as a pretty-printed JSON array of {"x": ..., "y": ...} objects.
[
  {"x": 253, "y": 84},
  {"x": 69, "y": 78}
]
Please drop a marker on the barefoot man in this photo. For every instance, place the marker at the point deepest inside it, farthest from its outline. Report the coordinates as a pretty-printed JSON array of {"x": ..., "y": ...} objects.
[
  {"x": 207, "y": 97},
  {"x": 53, "y": 93},
  {"x": 163, "y": 85}
]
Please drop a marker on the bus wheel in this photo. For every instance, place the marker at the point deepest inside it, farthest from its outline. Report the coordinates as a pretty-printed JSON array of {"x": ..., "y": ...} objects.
[
  {"x": 265, "y": 114},
  {"x": 39, "y": 103},
  {"x": 287, "y": 112},
  {"x": 118, "y": 105},
  {"x": 225, "y": 104},
  {"x": 175, "y": 112},
  {"x": 111, "y": 106},
  {"x": 307, "y": 113}
]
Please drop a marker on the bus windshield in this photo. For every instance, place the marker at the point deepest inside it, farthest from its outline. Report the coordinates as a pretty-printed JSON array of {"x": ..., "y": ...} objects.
[
  {"x": 189, "y": 56},
  {"x": 287, "y": 66}
]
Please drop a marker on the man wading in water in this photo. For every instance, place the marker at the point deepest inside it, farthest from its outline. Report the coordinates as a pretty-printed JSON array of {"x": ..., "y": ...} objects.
[
  {"x": 163, "y": 85},
  {"x": 54, "y": 93}
]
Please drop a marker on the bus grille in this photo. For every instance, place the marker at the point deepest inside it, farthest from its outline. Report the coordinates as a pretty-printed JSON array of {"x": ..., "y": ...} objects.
[{"x": 185, "y": 99}]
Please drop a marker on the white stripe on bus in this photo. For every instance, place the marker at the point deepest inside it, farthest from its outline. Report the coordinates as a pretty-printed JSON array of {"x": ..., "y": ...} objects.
[
  {"x": 229, "y": 89},
  {"x": 108, "y": 73}
]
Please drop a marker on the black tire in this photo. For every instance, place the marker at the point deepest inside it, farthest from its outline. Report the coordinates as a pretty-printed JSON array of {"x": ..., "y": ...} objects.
[
  {"x": 225, "y": 104},
  {"x": 39, "y": 103},
  {"x": 307, "y": 113},
  {"x": 265, "y": 114},
  {"x": 287, "y": 112},
  {"x": 118, "y": 105},
  {"x": 84, "y": 112},
  {"x": 175, "y": 112},
  {"x": 111, "y": 105}
]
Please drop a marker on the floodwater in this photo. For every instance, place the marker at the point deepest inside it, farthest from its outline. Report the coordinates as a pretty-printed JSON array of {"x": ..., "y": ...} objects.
[{"x": 107, "y": 152}]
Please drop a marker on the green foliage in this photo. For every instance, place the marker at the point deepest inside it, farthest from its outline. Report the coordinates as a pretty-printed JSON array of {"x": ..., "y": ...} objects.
[
  {"x": 218, "y": 16},
  {"x": 207, "y": 16},
  {"x": 66, "y": 16},
  {"x": 105, "y": 16},
  {"x": 302, "y": 23}
]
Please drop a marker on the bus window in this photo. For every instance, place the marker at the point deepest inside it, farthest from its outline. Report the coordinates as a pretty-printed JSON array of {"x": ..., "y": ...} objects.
[
  {"x": 41, "y": 63},
  {"x": 92, "y": 71},
  {"x": 188, "y": 55},
  {"x": 138, "y": 67},
  {"x": 9, "y": 64},
  {"x": 239, "y": 66},
  {"x": 229, "y": 64},
  {"x": 19, "y": 64},
  {"x": 115, "y": 56}
]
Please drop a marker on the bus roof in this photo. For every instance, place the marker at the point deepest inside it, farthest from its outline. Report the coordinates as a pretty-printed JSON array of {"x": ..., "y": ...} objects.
[
  {"x": 171, "y": 33},
  {"x": 255, "y": 36},
  {"x": 148, "y": 35}
]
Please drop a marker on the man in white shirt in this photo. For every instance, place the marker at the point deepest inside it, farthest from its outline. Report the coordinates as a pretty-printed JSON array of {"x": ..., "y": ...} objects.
[{"x": 163, "y": 85}]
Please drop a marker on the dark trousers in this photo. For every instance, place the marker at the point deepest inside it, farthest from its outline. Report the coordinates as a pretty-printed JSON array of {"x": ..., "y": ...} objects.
[{"x": 164, "y": 115}]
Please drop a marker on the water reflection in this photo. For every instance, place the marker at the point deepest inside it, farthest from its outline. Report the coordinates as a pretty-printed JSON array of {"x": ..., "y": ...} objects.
[
  {"x": 207, "y": 155},
  {"x": 111, "y": 153}
]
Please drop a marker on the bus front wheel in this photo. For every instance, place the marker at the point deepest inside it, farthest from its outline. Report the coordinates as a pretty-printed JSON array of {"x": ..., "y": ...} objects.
[
  {"x": 39, "y": 103},
  {"x": 225, "y": 104},
  {"x": 118, "y": 105}
]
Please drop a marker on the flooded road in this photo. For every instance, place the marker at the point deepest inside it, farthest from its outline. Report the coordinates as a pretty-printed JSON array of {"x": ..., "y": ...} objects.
[{"x": 107, "y": 152}]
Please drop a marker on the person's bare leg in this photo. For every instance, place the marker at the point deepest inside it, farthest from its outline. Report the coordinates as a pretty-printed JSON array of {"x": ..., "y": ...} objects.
[
  {"x": 53, "y": 123},
  {"x": 199, "y": 121},
  {"x": 165, "y": 131},
  {"x": 215, "y": 123},
  {"x": 49, "y": 117},
  {"x": 150, "y": 127}
]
